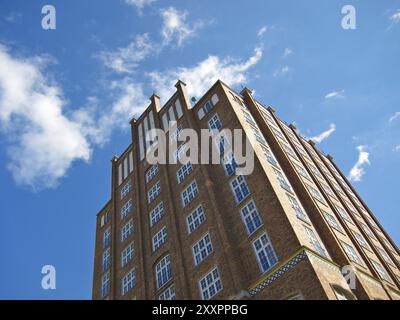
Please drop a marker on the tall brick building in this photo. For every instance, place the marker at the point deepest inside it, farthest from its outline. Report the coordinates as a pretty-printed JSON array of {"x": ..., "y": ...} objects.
[{"x": 201, "y": 232}]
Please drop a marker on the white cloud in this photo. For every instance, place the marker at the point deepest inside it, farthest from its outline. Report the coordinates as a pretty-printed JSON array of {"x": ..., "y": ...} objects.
[
  {"x": 395, "y": 17},
  {"x": 262, "y": 30},
  {"x": 396, "y": 148},
  {"x": 13, "y": 17},
  {"x": 394, "y": 116},
  {"x": 200, "y": 77},
  {"x": 324, "y": 135},
  {"x": 335, "y": 94},
  {"x": 176, "y": 28},
  {"x": 287, "y": 52},
  {"x": 126, "y": 59},
  {"x": 281, "y": 72},
  {"x": 357, "y": 172},
  {"x": 43, "y": 141},
  {"x": 140, "y": 4}
]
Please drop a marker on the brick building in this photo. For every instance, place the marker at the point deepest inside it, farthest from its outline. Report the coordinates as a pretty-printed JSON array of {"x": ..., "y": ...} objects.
[{"x": 198, "y": 231}]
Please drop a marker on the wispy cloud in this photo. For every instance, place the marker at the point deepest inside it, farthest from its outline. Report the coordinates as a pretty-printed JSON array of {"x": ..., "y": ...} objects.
[
  {"x": 204, "y": 73},
  {"x": 394, "y": 116},
  {"x": 395, "y": 17},
  {"x": 43, "y": 141},
  {"x": 262, "y": 31},
  {"x": 357, "y": 172},
  {"x": 126, "y": 59},
  {"x": 281, "y": 72},
  {"x": 324, "y": 135},
  {"x": 176, "y": 27},
  {"x": 13, "y": 17},
  {"x": 287, "y": 52},
  {"x": 396, "y": 148},
  {"x": 140, "y": 4},
  {"x": 335, "y": 95}
]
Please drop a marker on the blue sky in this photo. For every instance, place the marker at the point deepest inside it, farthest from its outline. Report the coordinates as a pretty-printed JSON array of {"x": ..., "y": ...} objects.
[{"x": 66, "y": 97}]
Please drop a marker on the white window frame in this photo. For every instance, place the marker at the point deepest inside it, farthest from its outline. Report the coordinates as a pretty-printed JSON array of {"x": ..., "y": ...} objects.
[
  {"x": 128, "y": 282},
  {"x": 202, "y": 249},
  {"x": 160, "y": 238},
  {"x": 127, "y": 254},
  {"x": 151, "y": 172},
  {"x": 251, "y": 217},
  {"x": 126, "y": 208},
  {"x": 184, "y": 171},
  {"x": 189, "y": 193},
  {"x": 242, "y": 188},
  {"x": 168, "y": 294},
  {"x": 195, "y": 219},
  {"x": 163, "y": 271},
  {"x": 156, "y": 214},
  {"x": 126, "y": 230},
  {"x": 262, "y": 246},
  {"x": 154, "y": 192},
  {"x": 211, "y": 284}
]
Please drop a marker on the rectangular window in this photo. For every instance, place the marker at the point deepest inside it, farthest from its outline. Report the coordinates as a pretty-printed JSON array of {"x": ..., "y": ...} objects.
[
  {"x": 239, "y": 188},
  {"x": 222, "y": 142},
  {"x": 314, "y": 169},
  {"x": 269, "y": 156},
  {"x": 125, "y": 168},
  {"x": 381, "y": 271},
  {"x": 387, "y": 244},
  {"x": 328, "y": 190},
  {"x": 182, "y": 149},
  {"x": 127, "y": 254},
  {"x": 189, "y": 193},
  {"x": 184, "y": 171},
  {"x": 361, "y": 240},
  {"x": 175, "y": 134},
  {"x": 332, "y": 221},
  {"x": 125, "y": 189},
  {"x": 214, "y": 123},
  {"x": 367, "y": 230},
  {"x": 210, "y": 284},
  {"x": 282, "y": 181},
  {"x": 258, "y": 136},
  {"x": 163, "y": 271},
  {"x": 351, "y": 253},
  {"x": 250, "y": 217},
  {"x": 202, "y": 249},
  {"x": 126, "y": 208},
  {"x": 105, "y": 284},
  {"x": 289, "y": 151},
  {"x": 168, "y": 294},
  {"x": 128, "y": 281},
  {"x": 230, "y": 164},
  {"x": 314, "y": 241},
  {"x": 106, "y": 262},
  {"x": 296, "y": 207},
  {"x": 156, "y": 214},
  {"x": 279, "y": 134},
  {"x": 302, "y": 171},
  {"x": 316, "y": 195},
  {"x": 195, "y": 219},
  {"x": 106, "y": 238},
  {"x": 126, "y": 230},
  {"x": 208, "y": 107},
  {"x": 154, "y": 192},
  {"x": 385, "y": 256},
  {"x": 343, "y": 213},
  {"x": 151, "y": 173},
  {"x": 265, "y": 254},
  {"x": 159, "y": 238}
]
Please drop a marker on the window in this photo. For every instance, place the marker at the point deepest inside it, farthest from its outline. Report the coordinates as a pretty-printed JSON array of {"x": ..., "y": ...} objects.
[
  {"x": 175, "y": 135},
  {"x": 128, "y": 281},
  {"x": 296, "y": 207},
  {"x": 249, "y": 118},
  {"x": 387, "y": 244},
  {"x": 269, "y": 156},
  {"x": 342, "y": 294},
  {"x": 332, "y": 221},
  {"x": 289, "y": 151},
  {"x": 351, "y": 253},
  {"x": 195, "y": 219},
  {"x": 239, "y": 188},
  {"x": 127, "y": 254},
  {"x": 343, "y": 213},
  {"x": 154, "y": 192},
  {"x": 282, "y": 181},
  {"x": 189, "y": 193},
  {"x": 163, "y": 271},
  {"x": 202, "y": 249},
  {"x": 156, "y": 214},
  {"x": 314, "y": 170},
  {"x": 184, "y": 171},
  {"x": 381, "y": 271},
  {"x": 222, "y": 142},
  {"x": 265, "y": 253},
  {"x": 230, "y": 164},
  {"x": 367, "y": 231},
  {"x": 151, "y": 173},
  {"x": 160, "y": 238},
  {"x": 126, "y": 230},
  {"x": 210, "y": 284},
  {"x": 251, "y": 218},
  {"x": 214, "y": 123},
  {"x": 208, "y": 107},
  {"x": 314, "y": 241},
  {"x": 126, "y": 208},
  {"x": 316, "y": 194},
  {"x": 278, "y": 134},
  {"x": 385, "y": 256},
  {"x": 328, "y": 190},
  {"x": 105, "y": 284},
  {"x": 106, "y": 238},
  {"x": 125, "y": 189},
  {"x": 168, "y": 294},
  {"x": 182, "y": 149},
  {"x": 107, "y": 217},
  {"x": 106, "y": 262},
  {"x": 302, "y": 171},
  {"x": 258, "y": 135},
  {"x": 361, "y": 240}
]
